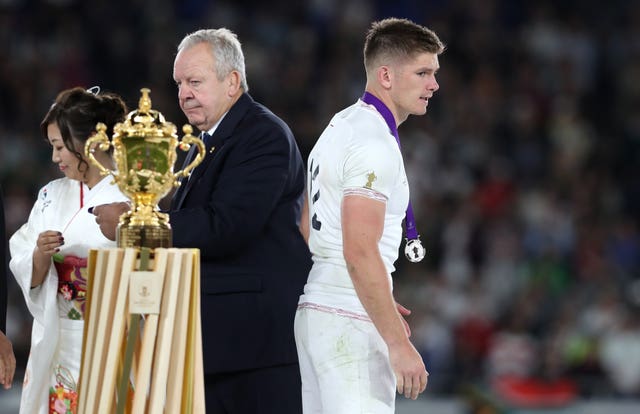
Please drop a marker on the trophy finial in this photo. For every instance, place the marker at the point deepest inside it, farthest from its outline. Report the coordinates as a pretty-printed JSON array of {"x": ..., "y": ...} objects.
[
  {"x": 101, "y": 128},
  {"x": 145, "y": 100}
]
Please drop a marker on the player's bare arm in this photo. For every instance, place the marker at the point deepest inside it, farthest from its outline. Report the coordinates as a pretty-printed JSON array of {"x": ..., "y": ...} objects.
[{"x": 362, "y": 227}]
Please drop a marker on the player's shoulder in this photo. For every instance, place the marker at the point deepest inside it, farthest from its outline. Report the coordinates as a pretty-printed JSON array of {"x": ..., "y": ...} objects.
[{"x": 361, "y": 120}]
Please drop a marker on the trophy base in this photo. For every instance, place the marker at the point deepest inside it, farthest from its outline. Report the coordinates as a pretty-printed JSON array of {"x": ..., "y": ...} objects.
[{"x": 144, "y": 236}]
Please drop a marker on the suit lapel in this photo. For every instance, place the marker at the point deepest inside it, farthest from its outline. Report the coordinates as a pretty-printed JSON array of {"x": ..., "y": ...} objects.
[{"x": 220, "y": 136}]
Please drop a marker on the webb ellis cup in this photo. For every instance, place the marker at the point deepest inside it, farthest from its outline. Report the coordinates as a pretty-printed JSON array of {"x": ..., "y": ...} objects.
[{"x": 144, "y": 153}]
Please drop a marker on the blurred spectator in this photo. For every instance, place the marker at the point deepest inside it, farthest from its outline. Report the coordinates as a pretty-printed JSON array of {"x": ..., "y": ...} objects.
[{"x": 620, "y": 356}]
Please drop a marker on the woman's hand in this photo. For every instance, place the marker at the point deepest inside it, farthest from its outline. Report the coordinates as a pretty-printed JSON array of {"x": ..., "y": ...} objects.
[{"x": 47, "y": 245}]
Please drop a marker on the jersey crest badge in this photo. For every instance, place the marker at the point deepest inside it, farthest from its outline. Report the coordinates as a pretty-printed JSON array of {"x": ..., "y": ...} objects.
[{"x": 371, "y": 177}]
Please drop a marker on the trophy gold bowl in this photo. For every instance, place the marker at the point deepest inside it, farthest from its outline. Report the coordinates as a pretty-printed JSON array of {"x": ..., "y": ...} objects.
[{"x": 144, "y": 154}]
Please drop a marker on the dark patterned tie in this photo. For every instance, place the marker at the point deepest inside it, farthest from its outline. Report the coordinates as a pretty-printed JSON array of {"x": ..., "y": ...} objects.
[
  {"x": 206, "y": 138},
  {"x": 179, "y": 195}
]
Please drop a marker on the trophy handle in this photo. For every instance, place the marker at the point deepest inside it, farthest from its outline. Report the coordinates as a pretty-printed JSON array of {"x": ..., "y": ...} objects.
[
  {"x": 103, "y": 142},
  {"x": 185, "y": 145}
]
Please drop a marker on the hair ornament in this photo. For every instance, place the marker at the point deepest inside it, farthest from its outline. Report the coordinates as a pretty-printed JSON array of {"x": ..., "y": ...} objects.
[{"x": 94, "y": 90}]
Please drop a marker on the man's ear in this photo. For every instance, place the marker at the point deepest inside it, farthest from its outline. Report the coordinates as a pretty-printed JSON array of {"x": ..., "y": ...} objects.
[
  {"x": 233, "y": 82},
  {"x": 385, "y": 76}
]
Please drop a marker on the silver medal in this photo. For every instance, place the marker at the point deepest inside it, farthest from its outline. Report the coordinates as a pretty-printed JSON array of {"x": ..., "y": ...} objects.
[{"x": 414, "y": 250}]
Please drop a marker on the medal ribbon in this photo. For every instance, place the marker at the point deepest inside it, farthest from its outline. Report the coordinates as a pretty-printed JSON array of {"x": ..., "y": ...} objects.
[{"x": 410, "y": 221}]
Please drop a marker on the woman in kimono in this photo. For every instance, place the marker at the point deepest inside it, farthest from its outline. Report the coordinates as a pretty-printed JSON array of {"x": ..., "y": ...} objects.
[{"x": 49, "y": 252}]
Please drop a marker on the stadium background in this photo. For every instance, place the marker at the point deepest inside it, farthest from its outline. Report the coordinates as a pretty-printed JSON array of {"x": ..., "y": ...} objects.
[{"x": 524, "y": 174}]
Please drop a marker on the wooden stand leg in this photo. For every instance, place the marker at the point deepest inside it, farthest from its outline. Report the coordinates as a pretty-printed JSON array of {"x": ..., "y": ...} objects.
[{"x": 165, "y": 366}]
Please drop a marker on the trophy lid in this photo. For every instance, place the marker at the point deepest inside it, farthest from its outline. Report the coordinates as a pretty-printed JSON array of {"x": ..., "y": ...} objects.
[{"x": 144, "y": 121}]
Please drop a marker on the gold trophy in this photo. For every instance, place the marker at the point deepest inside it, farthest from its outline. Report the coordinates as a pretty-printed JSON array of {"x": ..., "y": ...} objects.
[{"x": 144, "y": 153}]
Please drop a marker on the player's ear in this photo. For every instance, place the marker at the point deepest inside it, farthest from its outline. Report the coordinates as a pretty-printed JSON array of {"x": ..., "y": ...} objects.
[{"x": 384, "y": 75}]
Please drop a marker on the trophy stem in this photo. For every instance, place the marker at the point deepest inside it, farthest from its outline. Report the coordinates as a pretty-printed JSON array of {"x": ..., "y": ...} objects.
[
  {"x": 144, "y": 236},
  {"x": 144, "y": 227},
  {"x": 131, "y": 234}
]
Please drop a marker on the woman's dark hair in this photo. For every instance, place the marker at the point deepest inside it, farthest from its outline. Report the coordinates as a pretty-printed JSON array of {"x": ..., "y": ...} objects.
[{"x": 76, "y": 112}]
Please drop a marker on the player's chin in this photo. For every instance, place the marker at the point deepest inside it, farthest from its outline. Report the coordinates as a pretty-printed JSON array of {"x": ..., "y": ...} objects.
[{"x": 420, "y": 110}]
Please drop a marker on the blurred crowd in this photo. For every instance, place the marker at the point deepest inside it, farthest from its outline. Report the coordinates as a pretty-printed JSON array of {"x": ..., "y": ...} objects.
[{"x": 525, "y": 173}]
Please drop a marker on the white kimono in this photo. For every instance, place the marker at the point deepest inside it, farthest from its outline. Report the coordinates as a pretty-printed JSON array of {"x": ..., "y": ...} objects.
[{"x": 56, "y": 337}]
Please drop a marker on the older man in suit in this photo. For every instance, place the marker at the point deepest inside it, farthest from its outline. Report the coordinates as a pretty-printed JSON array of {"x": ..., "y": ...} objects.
[{"x": 241, "y": 207}]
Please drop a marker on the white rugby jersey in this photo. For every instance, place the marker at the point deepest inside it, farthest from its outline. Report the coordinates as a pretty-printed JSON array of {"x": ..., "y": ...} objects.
[{"x": 356, "y": 154}]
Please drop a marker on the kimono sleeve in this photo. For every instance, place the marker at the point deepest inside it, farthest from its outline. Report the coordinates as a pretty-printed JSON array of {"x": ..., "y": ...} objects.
[{"x": 21, "y": 246}]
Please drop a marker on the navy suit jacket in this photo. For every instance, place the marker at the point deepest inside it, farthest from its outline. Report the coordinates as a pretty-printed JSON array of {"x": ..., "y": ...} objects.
[{"x": 241, "y": 207}]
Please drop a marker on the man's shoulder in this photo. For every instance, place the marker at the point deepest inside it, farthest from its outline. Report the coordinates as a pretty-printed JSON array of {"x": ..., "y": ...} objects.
[
  {"x": 247, "y": 107},
  {"x": 261, "y": 114},
  {"x": 258, "y": 121}
]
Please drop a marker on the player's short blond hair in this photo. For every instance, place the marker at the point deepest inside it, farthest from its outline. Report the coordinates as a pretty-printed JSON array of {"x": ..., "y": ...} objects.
[{"x": 395, "y": 40}]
